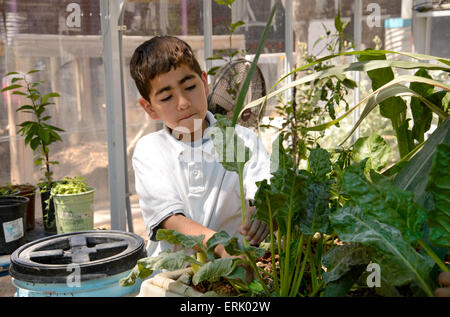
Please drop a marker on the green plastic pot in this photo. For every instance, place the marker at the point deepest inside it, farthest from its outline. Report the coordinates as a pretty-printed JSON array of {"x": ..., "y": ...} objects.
[{"x": 74, "y": 212}]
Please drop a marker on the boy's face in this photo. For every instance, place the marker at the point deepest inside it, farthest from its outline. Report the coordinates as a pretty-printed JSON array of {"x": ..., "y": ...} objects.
[{"x": 178, "y": 98}]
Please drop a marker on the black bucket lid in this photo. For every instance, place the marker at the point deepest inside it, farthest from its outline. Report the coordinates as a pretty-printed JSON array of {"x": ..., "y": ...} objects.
[{"x": 95, "y": 253}]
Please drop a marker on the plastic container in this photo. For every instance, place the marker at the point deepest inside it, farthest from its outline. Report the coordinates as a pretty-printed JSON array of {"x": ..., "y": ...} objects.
[
  {"x": 80, "y": 264},
  {"x": 74, "y": 212},
  {"x": 12, "y": 222},
  {"x": 28, "y": 191}
]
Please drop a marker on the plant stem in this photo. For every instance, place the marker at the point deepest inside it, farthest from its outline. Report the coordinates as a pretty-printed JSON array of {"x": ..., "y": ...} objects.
[
  {"x": 272, "y": 245},
  {"x": 286, "y": 283},
  {"x": 298, "y": 263},
  {"x": 252, "y": 263},
  {"x": 433, "y": 255},
  {"x": 298, "y": 282},
  {"x": 241, "y": 188}
]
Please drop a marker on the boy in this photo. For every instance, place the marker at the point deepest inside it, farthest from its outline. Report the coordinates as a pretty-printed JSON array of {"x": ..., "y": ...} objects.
[{"x": 192, "y": 194}]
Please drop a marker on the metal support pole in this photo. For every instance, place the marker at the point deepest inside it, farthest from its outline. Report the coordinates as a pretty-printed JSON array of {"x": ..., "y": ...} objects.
[
  {"x": 115, "y": 113},
  {"x": 288, "y": 45},
  {"x": 207, "y": 33},
  {"x": 357, "y": 36}
]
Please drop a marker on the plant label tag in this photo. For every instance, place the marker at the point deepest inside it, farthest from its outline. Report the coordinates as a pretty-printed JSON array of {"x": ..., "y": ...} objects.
[{"x": 13, "y": 230}]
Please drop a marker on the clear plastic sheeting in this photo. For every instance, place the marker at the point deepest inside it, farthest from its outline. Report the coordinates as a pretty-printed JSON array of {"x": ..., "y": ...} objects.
[{"x": 63, "y": 39}]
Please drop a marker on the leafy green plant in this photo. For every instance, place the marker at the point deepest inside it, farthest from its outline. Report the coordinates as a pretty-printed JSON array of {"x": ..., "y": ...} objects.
[
  {"x": 227, "y": 55},
  {"x": 39, "y": 135},
  {"x": 68, "y": 186},
  {"x": 8, "y": 190},
  {"x": 206, "y": 266}
]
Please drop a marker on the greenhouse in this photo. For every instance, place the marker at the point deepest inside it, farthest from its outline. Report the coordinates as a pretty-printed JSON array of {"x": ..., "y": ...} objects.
[{"x": 225, "y": 148}]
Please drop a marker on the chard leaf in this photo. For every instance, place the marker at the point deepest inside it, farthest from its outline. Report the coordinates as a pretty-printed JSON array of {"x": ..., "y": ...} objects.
[
  {"x": 221, "y": 237},
  {"x": 229, "y": 147},
  {"x": 439, "y": 186},
  {"x": 166, "y": 260},
  {"x": 422, "y": 115},
  {"x": 413, "y": 177},
  {"x": 314, "y": 216},
  {"x": 175, "y": 237},
  {"x": 373, "y": 147},
  {"x": 319, "y": 163},
  {"x": 384, "y": 202},
  {"x": 287, "y": 182},
  {"x": 233, "y": 247},
  {"x": 399, "y": 262},
  {"x": 213, "y": 271},
  {"x": 340, "y": 260}
]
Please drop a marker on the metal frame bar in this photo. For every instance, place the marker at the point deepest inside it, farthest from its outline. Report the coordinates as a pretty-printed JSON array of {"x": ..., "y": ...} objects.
[
  {"x": 207, "y": 32},
  {"x": 357, "y": 29},
  {"x": 115, "y": 113}
]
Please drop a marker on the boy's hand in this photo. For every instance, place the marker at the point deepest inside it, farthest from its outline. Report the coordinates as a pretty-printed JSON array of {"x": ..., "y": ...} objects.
[
  {"x": 443, "y": 279},
  {"x": 254, "y": 231}
]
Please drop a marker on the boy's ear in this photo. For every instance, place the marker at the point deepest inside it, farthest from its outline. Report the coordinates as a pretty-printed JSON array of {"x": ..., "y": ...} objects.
[
  {"x": 204, "y": 78},
  {"x": 147, "y": 106}
]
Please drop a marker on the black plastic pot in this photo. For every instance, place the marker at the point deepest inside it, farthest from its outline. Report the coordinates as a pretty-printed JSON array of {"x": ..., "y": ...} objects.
[
  {"x": 28, "y": 191},
  {"x": 48, "y": 214},
  {"x": 12, "y": 223}
]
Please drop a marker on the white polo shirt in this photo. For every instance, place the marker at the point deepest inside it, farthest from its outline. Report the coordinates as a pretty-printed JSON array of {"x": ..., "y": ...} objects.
[{"x": 175, "y": 177}]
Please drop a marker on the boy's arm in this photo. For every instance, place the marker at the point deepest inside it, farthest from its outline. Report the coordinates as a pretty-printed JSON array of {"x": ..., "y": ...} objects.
[{"x": 188, "y": 226}]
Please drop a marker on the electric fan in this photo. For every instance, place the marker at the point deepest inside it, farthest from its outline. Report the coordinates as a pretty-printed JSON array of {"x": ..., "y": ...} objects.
[{"x": 226, "y": 87}]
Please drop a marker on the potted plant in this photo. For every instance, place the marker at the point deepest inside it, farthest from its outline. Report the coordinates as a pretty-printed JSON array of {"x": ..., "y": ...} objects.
[
  {"x": 38, "y": 133},
  {"x": 25, "y": 190},
  {"x": 13, "y": 210},
  {"x": 73, "y": 201}
]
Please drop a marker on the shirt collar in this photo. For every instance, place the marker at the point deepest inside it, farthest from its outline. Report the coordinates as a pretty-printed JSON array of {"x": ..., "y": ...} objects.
[{"x": 180, "y": 147}]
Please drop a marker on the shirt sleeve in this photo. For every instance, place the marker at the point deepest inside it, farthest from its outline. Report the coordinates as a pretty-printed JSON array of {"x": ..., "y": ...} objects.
[{"x": 155, "y": 187}]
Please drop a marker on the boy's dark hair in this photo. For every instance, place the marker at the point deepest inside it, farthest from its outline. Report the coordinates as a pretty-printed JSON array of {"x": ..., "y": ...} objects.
[{"x": 158, "y": 56}]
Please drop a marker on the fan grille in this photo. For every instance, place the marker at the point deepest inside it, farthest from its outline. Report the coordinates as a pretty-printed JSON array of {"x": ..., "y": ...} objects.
[{"x": 227, "y": 86}]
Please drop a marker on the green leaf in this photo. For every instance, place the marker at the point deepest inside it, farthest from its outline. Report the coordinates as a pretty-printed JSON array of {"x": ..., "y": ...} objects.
[
  {"x": 25, "y": 108},
  {"x": 400, "y": 263},
  {"x": 373, "y": 147},
  {"x": 314, "y": 218},
  {"x": 319, "y": 163},
  {"x": 17, "y": 92},
  {"x": 235, "y": 25},
  {"x": 221, "y": 237},
  {"x": 34, "y": 143},
  {"x": 439, "y": 186},
  {"x": 49, "y": 95},
  {"x": 10, "y": 87},
  {"x": 33, "y": 71},
  {"x": 44, "y": 135},
  {"x": 340, "y": 260},
  {"x": 175, "y": 237},
  {"x": 213, "y": 271},
  {"x": 11, "y": 73},
  {"x": 230, "y": 147},
  {"x": 413, "y": 177},
  {"x": 384, "y": 202},
  {"x": 166, "y": 260},
  {"x": 342, "y": 286},
  {"x": 422, "y": 115}
]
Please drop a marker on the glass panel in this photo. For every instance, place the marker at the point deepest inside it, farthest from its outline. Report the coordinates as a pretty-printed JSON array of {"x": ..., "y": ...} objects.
[{"x": 62, "y": 39}]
